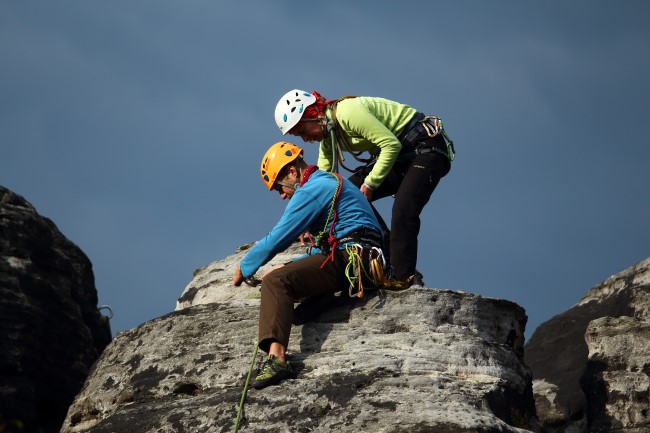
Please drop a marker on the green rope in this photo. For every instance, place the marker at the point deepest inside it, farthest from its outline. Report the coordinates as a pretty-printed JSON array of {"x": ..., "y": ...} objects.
[
  {"x": 243, "y": 394},
  {"x": 320, "y": 237},
  {"x": 354, "y": 261},
  {"x": 355, "y": 269}
]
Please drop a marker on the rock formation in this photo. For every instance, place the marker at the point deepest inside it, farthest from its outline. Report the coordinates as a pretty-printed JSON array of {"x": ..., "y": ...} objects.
[
  {"x": 591, "y": 364},
  {"x": 617, "y": 376},
  {"x": 420, "y": 360},
  {"x": 50, "y": 329}
]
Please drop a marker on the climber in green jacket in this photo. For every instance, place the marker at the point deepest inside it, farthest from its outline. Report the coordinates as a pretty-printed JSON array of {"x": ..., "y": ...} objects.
[{"x": 409, "y": 153}]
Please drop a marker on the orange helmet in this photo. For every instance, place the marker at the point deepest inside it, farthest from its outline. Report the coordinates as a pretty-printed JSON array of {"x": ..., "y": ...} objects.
[{"x": 278, "y": 155}]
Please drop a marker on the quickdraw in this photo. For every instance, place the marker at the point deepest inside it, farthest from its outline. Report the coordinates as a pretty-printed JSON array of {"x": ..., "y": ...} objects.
[
  {"x": 433, "y": 126},
  {"x": 355, "y": 271}
]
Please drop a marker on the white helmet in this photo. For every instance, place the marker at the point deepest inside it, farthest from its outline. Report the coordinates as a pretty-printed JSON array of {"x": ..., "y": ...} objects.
[{"x": 291, "y": 107}]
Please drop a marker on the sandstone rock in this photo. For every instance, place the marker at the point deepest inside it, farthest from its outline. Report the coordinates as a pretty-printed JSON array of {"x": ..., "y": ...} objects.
[
  {"x": 617, "y": 377},
  {"x": 419, "y": 360},
  {"x": 50, "y": 329},
  {"x": 557, "y": 353},
  {"x": 213, "y": 283}
]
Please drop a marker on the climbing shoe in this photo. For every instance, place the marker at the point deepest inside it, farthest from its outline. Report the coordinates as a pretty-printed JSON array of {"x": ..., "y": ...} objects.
[
  {"x": 417, "y": 279},
  {"x": 272, "y": 372},
  {"x": 414, "y": 280}
]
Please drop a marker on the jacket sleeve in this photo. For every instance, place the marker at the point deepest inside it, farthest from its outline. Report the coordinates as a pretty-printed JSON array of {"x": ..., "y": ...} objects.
[
  {"x": 301, "y": 210},
  {"x": 362, "y": 123},
  {"x": 325, "y": 156}
]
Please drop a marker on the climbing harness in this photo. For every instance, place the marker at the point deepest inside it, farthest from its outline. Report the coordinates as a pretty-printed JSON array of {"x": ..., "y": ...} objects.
[
  {"x": 369, "y": 262},
  {"x": 240, "y": 411},
  {"x": 363, "y": 260},
  {"x": 356, "y": 270},
  {"x": 432, "y": 126},
  {"x": 327, "y": 242}
]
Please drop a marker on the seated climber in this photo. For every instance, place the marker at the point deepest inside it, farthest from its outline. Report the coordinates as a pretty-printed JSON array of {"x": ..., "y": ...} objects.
[{"x": 320, "y": 202}]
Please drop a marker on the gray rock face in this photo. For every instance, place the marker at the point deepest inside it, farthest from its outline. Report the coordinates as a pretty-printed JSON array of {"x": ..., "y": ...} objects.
[
  {"x": 584, "y": 345},
  {"x": 419, "y": 360},
  {"x": 213, "y": 283},
  {"x": 50, "y": 329},
  {"x": 617, "y": 377}
]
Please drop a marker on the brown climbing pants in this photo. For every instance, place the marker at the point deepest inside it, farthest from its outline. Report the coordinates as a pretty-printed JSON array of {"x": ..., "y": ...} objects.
[{"x": 290, "y": 283}]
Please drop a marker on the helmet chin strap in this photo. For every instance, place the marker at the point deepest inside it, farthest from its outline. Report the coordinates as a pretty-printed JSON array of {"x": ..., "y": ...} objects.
[
  {"x": 291, "y": 185},
  {"x": 288, "y": 185},
  {"x": 322, "y": 120}
]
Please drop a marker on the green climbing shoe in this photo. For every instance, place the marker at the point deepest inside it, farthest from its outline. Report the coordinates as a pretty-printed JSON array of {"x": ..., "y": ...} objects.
[{"x": 272, "y": 372}]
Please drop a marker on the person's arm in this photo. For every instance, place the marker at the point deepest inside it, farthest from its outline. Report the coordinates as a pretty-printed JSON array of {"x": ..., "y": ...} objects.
[
  {"x": 362, "y": 123},
  {"x": 301, "y": 210},
  {"x": 238, "y": 277},
  {"x": 325, "y": 156}
]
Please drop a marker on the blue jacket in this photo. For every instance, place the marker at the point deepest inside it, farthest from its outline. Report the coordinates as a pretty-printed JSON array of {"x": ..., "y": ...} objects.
[{"x": 308, "y": 210}]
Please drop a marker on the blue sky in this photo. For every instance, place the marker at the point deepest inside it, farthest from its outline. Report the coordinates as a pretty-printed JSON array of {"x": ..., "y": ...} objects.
[{"x": 138, "y": 128}]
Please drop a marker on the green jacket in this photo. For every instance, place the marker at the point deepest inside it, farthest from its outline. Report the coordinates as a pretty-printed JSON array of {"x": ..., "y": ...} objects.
[{"x": 370, "y": 125}]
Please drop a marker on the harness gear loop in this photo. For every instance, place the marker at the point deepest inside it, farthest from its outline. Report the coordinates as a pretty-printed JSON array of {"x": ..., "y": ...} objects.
[
  {"x": 433, "y": 126},
  {"x": 356, "y": 270}
]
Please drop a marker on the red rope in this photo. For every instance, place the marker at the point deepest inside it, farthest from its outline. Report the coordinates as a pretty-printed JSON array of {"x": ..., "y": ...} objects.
[{"x": 333, "y": 240}]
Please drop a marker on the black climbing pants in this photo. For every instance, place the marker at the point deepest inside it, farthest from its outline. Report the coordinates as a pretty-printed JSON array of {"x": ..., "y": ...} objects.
[{"x": 412, "y": 180}]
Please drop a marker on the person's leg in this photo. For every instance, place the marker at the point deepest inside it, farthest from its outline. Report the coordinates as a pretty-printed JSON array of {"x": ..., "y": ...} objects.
[
  {"x": 389, "y": 186},
  {"x": 285, "y": 285},
  {"x": 419, "y": 182},
  {"x": 280, "y": 288}
]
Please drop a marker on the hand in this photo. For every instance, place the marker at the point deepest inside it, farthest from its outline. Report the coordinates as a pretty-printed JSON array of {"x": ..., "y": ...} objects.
[
  {"x": 238, "y": 277},
  {"x": 366, "y": 191}
]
